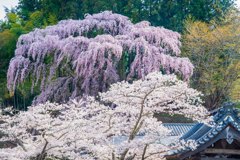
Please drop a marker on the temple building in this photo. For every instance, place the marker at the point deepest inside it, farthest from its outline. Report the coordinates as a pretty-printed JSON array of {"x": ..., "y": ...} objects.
[{"x": 219, "y": 141}]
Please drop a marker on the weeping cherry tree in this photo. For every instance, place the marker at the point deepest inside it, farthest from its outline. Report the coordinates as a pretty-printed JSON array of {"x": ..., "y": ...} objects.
[{"x": 77, "y": 57}]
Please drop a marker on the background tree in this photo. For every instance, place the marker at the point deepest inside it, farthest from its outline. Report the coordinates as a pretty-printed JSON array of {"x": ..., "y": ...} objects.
[
  {"x": 11, "y": 30},
  {"x": 214, "y": 51},
  {"x": 27, "y": 7},
  {"x": 235, "y": 92},
  {"x": 167, "y": 13}
]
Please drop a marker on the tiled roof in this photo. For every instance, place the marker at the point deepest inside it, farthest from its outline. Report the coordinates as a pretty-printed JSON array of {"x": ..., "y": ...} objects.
[
  {"x": 179, "y": 129},
  {"x": 204, "y": 134}
]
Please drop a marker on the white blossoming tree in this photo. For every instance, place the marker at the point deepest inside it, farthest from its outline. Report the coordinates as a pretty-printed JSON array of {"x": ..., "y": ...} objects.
[{"x": 90, "y": 129}]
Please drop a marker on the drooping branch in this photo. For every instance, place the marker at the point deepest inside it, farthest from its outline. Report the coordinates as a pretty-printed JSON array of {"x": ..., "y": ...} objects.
[{"x": 87, "y": 56}]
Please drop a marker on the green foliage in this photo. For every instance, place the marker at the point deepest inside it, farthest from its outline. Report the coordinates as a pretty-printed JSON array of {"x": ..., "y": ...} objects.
[
  {"x": 11, "y": 29},
  {"x": 26, "y": 7},
  {"x": 93, "y": 33},
  {"x": 123, "y": 66},
  {"x": 171, "y": 14},
  {"x": 7, "y": 46},
  {"x": 36, "y": 20},
  {"x": 48, "y": 59},
  {"x": 176, "y": 118},
  {"x": 167, "y": 13},
  {"x": 52, "y": 19},
  {"x": 22, "y": 98},
  {"x": 214, "y": 50},
  {"x": 235, "y": 92}
]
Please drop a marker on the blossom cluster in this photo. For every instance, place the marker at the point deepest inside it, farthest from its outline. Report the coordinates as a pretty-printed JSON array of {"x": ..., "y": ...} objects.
[
  {"x": 120, "y": 125},
  {"x": 77, "y": 57}
]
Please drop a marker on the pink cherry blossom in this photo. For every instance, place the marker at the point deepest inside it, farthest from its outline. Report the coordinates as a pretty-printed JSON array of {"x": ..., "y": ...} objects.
[{"x": 87, "y": 56}]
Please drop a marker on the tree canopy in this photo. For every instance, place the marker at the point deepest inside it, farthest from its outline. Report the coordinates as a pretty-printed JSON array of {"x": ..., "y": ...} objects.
[
  {"x": 167, "y": 13},
  {"x": 77, "y": 57},
  {"x": 214, "y": 50},
  {"x": 87, "y": 129}
]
